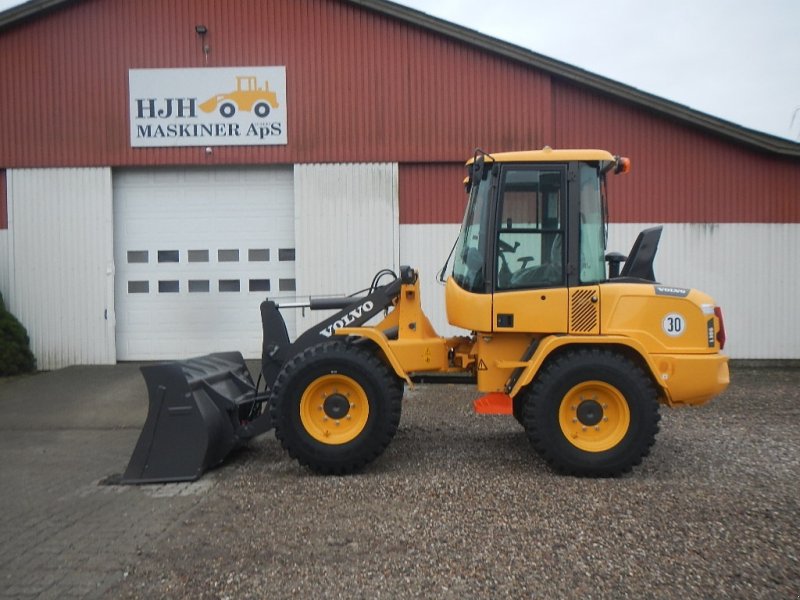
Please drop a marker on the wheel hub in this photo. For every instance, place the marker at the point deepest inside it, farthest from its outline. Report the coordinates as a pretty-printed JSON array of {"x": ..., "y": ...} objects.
[
  {"x": 336, "y": 406},
  {"x": 334, "y": 409},
  {"x": 594, "y": 416},
  {"x": 590, "y": 413}
]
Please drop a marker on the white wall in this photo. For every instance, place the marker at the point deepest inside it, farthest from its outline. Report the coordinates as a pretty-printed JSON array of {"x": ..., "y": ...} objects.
[
  {"x": 5, "y": 263},
  {"x": 751, "y": 270},
  {"x": 61, "y": 283},
  {"x": 426, "y": 247},
  {"x": 346, "y": 229}
]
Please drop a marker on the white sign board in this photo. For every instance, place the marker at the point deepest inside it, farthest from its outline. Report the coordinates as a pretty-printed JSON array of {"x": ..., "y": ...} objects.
[{"x": 232, "y": 106}]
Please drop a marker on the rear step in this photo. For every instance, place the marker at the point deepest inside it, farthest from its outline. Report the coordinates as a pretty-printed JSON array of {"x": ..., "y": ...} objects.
[{"x": 200, "y": 410}]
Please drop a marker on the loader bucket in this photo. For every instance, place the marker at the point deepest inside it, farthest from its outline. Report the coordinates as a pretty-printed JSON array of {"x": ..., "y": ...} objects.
[{"x": 199, "y": 410}]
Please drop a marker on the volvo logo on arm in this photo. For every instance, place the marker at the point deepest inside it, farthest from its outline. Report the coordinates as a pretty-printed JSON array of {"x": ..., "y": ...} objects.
[{"x": 348, "y": 318}]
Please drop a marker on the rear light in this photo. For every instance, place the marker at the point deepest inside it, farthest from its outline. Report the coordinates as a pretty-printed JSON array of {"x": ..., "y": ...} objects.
[{"x": 721, "y": 332}]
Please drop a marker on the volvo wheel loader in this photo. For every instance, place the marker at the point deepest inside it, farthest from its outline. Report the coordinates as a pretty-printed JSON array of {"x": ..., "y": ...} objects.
[{"x": 580, "y": 352}]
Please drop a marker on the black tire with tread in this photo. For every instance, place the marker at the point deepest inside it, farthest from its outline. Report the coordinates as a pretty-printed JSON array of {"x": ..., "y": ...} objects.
[
  {"x": 542, "y": 399},
  {"x": 380, "y": 385}
]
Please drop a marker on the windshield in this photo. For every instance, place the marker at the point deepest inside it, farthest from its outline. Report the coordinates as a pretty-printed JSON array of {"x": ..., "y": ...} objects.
[
  {"x": 593, "y": 243},
  {"x": 468, "y": 266}
]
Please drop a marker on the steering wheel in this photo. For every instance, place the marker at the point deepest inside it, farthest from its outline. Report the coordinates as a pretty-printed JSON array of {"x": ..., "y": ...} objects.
[{"x": 506, "y": 247}]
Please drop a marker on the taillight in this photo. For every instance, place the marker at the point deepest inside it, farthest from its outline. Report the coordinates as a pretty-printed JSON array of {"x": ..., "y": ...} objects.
[{"x": 721, "y": 332}]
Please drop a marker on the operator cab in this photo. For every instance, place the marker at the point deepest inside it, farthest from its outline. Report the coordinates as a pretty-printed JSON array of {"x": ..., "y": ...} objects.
[{"x": 535, "y": 221}]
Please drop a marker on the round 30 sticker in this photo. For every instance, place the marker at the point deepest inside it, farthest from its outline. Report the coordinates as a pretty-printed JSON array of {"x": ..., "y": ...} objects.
[{"x": 674, "y": 324}]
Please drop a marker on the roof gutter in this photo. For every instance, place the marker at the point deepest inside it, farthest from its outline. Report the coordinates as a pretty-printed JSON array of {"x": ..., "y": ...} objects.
[{"x": 32, "y": 8}]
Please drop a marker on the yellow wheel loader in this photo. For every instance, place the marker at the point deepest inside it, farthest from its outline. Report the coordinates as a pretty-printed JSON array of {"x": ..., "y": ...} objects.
[
  {"x": 247, "y": 96},
  {"x": 580, "y": 352}
]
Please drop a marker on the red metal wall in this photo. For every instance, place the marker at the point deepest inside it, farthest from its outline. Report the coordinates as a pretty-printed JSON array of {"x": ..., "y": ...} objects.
[
  {"x": 360, "y": 86},
  {"x": 679, "y": 174},
  {"x": 432, "y": 193}
]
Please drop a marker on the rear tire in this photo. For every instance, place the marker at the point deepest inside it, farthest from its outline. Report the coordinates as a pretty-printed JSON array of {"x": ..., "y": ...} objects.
[
  {"x": 335, "y": 407},
  {"x": 591, "y": 412}
]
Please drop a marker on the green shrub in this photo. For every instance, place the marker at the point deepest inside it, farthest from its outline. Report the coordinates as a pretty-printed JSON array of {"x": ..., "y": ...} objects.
[{"x": 15, "y": 351}]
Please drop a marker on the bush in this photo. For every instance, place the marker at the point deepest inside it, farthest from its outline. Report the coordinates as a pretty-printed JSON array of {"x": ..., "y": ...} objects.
[{"x": 15, "y": 351}]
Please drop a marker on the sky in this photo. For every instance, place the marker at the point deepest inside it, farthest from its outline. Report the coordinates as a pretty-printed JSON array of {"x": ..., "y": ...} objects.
[{"x": 738, "y": 60}]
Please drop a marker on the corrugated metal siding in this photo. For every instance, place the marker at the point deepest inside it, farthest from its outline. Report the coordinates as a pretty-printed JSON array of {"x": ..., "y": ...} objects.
[
  {"x": 679, "y": 174},
  {"x": 361, "y": 86},
  {"x": 3, "y": 201},
  {"x": 751, "y": 271},
  {"x": 432, "y": 193},
  {"x": 5, "y": 264},
  {"x": 346, "y": 229},
  {"x": 61, "y": 284}
]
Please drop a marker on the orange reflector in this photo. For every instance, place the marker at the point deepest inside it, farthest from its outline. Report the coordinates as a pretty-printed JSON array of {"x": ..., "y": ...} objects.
[{"x": 494, "y": 403}]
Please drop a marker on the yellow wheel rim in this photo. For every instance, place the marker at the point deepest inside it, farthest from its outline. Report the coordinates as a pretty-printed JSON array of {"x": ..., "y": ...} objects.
[
  {"x": 594, "y": 416},
  {"x": 334, "y": 409}
]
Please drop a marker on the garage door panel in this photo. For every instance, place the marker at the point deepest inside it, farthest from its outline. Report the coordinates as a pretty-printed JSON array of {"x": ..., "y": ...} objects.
[{"x": 196, "y": 254}]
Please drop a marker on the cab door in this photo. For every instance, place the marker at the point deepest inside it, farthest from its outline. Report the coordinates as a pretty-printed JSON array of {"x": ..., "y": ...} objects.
[{"x": 529, "y": 275}]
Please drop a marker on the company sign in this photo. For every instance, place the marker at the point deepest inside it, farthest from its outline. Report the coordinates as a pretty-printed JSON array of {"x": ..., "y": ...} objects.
[{"x": 235, "y": 106}]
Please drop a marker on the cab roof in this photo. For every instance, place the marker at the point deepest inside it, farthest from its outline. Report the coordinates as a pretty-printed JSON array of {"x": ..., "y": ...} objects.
[{"x": 546, "y": 154}]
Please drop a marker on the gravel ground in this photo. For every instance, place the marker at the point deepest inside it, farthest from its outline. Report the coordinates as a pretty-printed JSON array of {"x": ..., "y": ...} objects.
[{"x": 460, "y": 506}]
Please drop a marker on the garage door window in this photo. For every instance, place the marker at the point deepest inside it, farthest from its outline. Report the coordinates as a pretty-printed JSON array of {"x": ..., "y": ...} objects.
[
  {"x": 168, "y": 256},
  {"x": 138, "y": 287},
  {"x": 138, "y": 256},
  {"x": 259, "y": 285},
  {"x": 229, "y": 285},
  {"x": 198, "y": 256},
  {"x": 171, "y": 286},
  {"x": 228, "y": 255},
  {"x": 258, "y": 255},
  {"x": 199, "y": 286}
]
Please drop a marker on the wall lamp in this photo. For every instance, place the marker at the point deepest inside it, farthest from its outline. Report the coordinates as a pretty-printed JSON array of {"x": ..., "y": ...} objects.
[{"x": 202, "y": 30}]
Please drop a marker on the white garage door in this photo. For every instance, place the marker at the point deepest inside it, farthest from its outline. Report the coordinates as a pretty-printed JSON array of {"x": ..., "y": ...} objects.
[{"x": 196, "y": 251}]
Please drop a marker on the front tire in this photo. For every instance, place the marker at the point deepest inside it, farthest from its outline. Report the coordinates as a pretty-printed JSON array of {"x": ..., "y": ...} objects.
[
  {"x": 591, "y": 412},
  {"x": 335, "y": 407}
]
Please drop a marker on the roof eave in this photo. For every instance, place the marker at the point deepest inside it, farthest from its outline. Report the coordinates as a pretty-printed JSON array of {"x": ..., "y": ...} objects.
[{"x": 26, "y": 10}]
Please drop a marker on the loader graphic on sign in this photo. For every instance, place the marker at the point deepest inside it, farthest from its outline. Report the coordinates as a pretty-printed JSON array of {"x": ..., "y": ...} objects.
[{"x": 247, "y": 96}]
